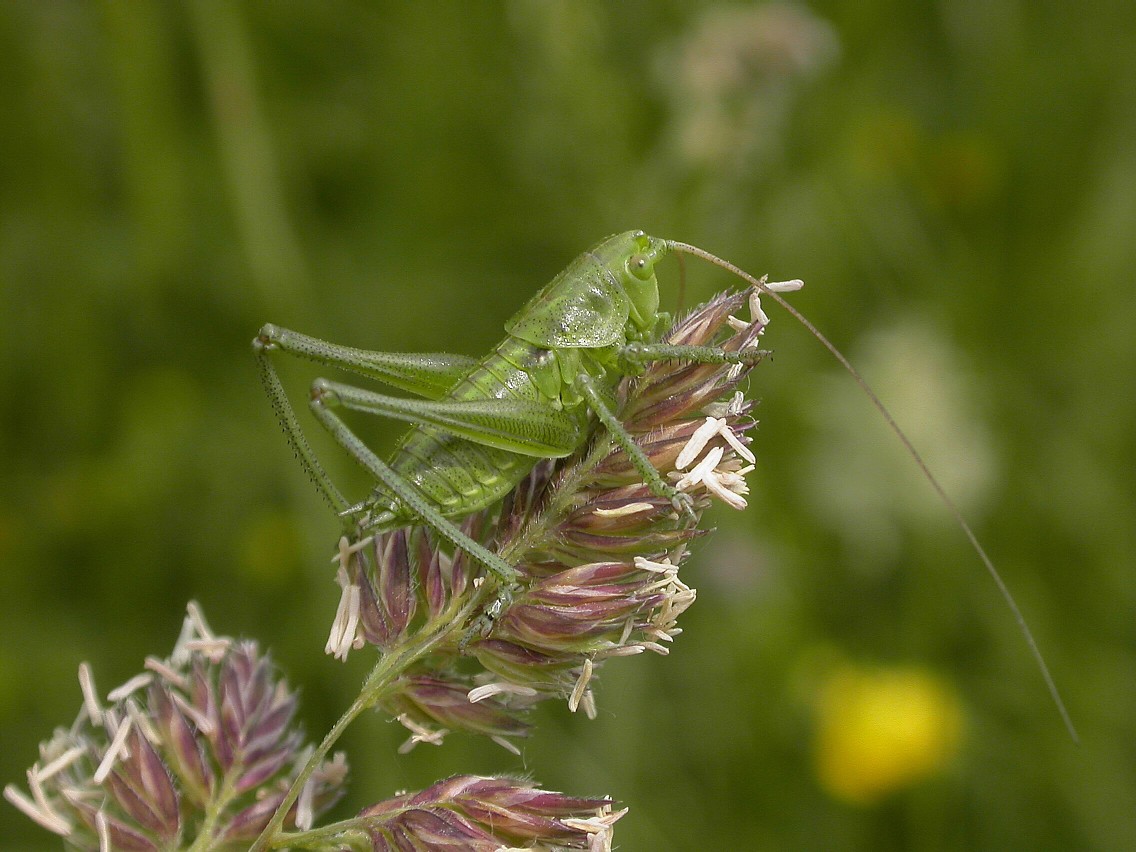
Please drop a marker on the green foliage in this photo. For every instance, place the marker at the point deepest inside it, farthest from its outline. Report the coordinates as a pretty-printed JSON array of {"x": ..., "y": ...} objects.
[{"x": 952, "y": 182}]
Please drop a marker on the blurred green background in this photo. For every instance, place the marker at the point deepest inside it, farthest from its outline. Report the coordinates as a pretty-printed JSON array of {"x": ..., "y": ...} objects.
[{"x": 955, "y": 181}]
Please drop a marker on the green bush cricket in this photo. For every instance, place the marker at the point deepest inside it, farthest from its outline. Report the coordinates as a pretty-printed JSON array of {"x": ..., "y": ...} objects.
[
  {"x": 484, "y": 424},
  {"x": 481, "y": 425}
]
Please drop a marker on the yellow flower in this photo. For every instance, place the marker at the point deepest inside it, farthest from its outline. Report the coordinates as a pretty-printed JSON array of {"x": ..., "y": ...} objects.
[{"x": 880, "y": 730}]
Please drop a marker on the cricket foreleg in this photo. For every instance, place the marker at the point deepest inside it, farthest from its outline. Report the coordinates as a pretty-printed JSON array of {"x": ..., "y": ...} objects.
[
  {"x": 683, "y": 503},
  {"x": 426, "y": 374},
  {"x": 638, "y": 355},
  {"x": 323, "y": 397}
]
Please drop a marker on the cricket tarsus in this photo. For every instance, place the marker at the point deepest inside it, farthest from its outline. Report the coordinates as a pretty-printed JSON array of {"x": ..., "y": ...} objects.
[{"x": 956, "y": 513}]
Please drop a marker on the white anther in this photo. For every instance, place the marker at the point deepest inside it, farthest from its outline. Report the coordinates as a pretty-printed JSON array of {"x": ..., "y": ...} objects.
[
  {"x": 784, "y": 286},
  {"x": 715, "y": 485},
  {"x": 198, "y": 717},
  {"x": 756, "y": 314},
  {"x": 698, "y": 441},
  {"x": 681, "y": 586},
  {"x": 345, "y": 625},
  {"x": 305, "y": 805},
  {"x": 735, "y": 479},
  {"x": 626, "y": 509},
  {"x": 624, "y": 651},
  {"x": 664, "y": 567},
  {"x": 737, "y": 324},
  {"x": 62, "y": 762},
  {"x": 44, "y": 817},
  {"x": 102, "y": 827},
  {"x": 197, "y": 618},
  {"x": 39, "y": 795},
  {"x": 665, "y": 584},
  {"x": 581, "y": 685},
  {"x": 679, "y": 603},
  {"x": 588, "y": 702},
  {"x": 111, "y": 720},
  {"x": 116, "y": 749},
  {"x": 707, "y": 465},
  {"x": 755, "y": 311},
  {"x": 480, "y": 693},
  {"x": 180, "y": 655},
  {"x": 735, "y": 442},
  {"x": 90, "y": 695},
  {"x": 212, "y": 648},
  {"x": 598, "y": 828},
  {"x": 166, "y": 672},
  {"x": 628, "y": 626},
  {"x": 142, "y": 722},
  {"x": 725, "y": 484},
  {"x": 130, "y": 687},
  {"x": 419, "y": 734}
]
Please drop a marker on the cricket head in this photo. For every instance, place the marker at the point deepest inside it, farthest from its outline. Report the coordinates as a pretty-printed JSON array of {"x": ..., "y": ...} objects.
[{"x": 630, "y": 258}]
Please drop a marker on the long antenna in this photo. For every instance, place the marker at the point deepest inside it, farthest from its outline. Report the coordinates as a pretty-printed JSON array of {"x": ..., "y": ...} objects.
[{"x": 1027, "y": 634}]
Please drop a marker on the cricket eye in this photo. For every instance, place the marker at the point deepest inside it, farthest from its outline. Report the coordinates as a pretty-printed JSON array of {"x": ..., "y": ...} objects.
[{"x": 639, "y": 266}]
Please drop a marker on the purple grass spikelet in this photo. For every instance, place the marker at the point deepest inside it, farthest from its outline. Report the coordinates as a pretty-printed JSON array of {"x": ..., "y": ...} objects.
[
  {"x": 199, "y": 748},
  {"x": 488, "y": 815}
]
